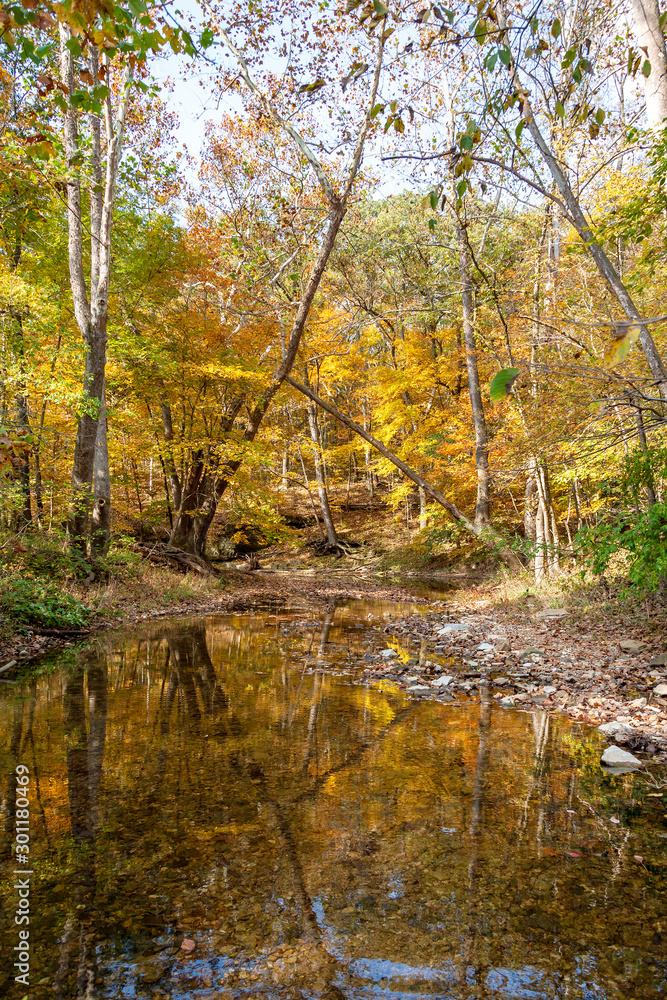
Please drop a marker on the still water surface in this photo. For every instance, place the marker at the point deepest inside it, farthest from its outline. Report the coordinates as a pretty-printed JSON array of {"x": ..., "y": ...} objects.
[{"x": 224, "y": 781}]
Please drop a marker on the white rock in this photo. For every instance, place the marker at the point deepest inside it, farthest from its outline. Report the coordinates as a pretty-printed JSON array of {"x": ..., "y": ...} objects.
[
  {"x": 549, "y": 690},
  {"x": 616, "y": 757},
  {"x": 612, "y": 729},
  {"x": 441, "y": 682},
  {"x": 551, "y": 613},
  {"x": 660, "y": 690},
  {"x": 485, "y": 646},
  {"x": 417, "y": 688},
  {"x": 388, "y": 653},
  {"x": 638, "y": 703},
  {"x": 453, "y": 627},
  {"x": 506, "y": 702}
]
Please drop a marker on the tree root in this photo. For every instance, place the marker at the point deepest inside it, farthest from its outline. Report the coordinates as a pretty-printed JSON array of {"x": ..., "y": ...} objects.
[
  {"x": 183, "y": 562},
  {"x": 343, "y": 547}
]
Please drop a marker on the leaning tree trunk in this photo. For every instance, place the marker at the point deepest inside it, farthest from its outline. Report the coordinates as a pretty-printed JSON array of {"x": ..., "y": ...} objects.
[
  {"x": 488, "y": 534},
  {"x": 327, "y": 517}
]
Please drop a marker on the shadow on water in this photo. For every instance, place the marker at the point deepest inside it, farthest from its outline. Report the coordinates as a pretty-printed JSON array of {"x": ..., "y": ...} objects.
[{"x": 225, "y": 782}]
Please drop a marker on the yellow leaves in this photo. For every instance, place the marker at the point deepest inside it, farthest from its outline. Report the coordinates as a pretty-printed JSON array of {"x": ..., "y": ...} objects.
[{"x": 621, "y": 345}]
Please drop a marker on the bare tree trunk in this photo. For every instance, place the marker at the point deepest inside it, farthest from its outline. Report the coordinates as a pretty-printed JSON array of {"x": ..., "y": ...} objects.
[
  {"x": 540, "y": 542},
  {"x": 101, "y": 514},
  {"x": 650, "y": 36},
  {"x": 482, "y": 505},
  {"x": 23, "y": 421},
  {"x": 530, "y": 505},
  {"x": 327, "y": 517},
  {"x": 170, "y": 466},
  {"x": 423, "y": 519},
  {"x": 643, "y": 444},
  {"x": 91, "y": 315},
  {"x": 367, "y": 450}
]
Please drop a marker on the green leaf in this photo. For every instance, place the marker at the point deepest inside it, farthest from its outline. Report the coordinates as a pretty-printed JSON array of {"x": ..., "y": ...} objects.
[
  {"x": 462, "y": 187},
  {"x": 501, "y": 384},
  {"x": 74, "y": 45},
  {"x": 519, "y": 129},
  {"x": 377, "y": 110},
  {"x": 556, "y": 28},
  {"x": 380, "y": 8},
  {"x": 599, "y": 116},
  {"x": 466, "y": 142},
  {"x": 560, "y": 111},
  {"x": 505, "y": 56},
  {"x": 646, "y": 68}
]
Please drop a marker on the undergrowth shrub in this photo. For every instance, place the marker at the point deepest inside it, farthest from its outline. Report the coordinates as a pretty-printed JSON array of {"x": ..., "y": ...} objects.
[{"x": 39, "y": 603}]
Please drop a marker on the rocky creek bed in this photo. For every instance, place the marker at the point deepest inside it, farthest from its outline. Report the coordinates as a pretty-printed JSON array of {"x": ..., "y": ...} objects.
[{"x": 617, "y": 682}]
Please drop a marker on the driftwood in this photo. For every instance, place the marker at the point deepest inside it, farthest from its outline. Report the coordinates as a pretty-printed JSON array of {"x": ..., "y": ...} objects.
[{"x": 183, "y": 562}]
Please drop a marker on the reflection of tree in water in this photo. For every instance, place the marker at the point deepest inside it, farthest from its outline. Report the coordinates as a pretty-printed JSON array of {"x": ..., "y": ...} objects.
[{"x": 85, "y": 758}]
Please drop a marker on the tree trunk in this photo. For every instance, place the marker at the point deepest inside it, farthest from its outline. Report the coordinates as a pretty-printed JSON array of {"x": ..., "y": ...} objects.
[
  {"x": 650, "y": 36},
  {"x": 327, "y": 517},
  {"x": 101, "y": 515},
  {"x": 91, "y": 315},
  {"x": 530, "y": 505},
  {"x": 482, "y": 505},
  {"x": 182, "y": 533},
  {"x": 23, "y": 420},
  {"x": 643, "y": 444},
  {"x": 540, "y": 542},
  {"x": 169, "y": 464}
]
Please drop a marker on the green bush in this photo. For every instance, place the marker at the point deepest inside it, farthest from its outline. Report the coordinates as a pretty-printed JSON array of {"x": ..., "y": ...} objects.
[
  {"x": 638, "y": 536},
  {"x": 35, "y": 602}
]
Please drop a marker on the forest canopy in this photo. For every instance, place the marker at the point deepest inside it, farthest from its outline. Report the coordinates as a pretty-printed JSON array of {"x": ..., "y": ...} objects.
[{"x": 421, "y": 252}]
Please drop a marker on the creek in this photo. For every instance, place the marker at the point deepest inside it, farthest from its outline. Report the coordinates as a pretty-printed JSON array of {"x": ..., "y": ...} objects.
[{"x": 219, "y": 809}]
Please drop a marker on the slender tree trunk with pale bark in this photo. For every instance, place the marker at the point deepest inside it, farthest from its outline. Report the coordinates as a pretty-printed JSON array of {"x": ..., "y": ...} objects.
[
  {"x": 651, "y": 38},
  {"x": 327, "y": 517}
]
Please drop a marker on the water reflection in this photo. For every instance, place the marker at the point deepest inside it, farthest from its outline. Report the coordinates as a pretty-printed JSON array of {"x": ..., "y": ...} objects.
[{"x": 216, "y": 782}]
